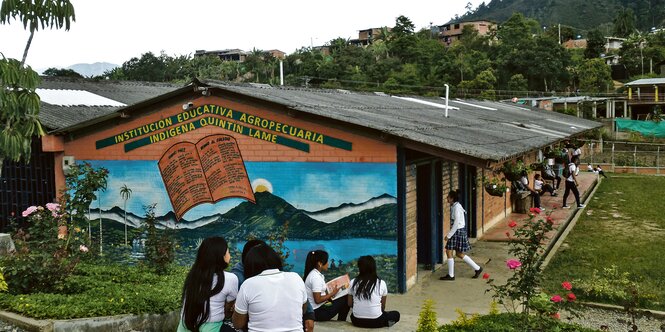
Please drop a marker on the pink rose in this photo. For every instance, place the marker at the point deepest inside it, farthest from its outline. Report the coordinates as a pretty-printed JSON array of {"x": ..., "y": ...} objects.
[
  {"x": 512, "y": 224},
  {"x": 556, "y": 315},
  {"x": 53, "y": 207},
  {"x": 83, "y": 248},
  {"x": 566, "y": 285},
  {"x": 534, "y": 210},
  {"x": 29, "y": 211},
  {"x": 513, "y": 264},
  {"x": 555, "y": 299}
]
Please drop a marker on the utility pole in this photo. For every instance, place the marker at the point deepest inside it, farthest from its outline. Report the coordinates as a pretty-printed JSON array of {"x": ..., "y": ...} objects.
[{"x": 559, "y": 33}]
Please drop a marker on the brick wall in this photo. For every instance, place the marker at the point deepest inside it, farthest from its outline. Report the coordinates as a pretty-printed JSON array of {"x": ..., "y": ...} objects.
[{"x": 411, "y": 226}]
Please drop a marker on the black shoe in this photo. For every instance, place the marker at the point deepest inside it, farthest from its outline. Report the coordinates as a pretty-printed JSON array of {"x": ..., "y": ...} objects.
[
  {"x": 447, "y": 277},
  {"x": 478, "y": 272}
]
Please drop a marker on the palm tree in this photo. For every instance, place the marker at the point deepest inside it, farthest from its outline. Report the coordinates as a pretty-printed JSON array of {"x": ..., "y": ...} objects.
[{"x": 125, "y": 193}]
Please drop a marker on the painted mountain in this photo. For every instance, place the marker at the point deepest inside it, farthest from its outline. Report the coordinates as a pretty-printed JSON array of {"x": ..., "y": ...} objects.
[{"x": 375, "y": 218}]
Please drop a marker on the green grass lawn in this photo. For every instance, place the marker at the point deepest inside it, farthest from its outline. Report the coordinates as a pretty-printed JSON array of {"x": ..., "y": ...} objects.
[{"x": 623, "y": 226}]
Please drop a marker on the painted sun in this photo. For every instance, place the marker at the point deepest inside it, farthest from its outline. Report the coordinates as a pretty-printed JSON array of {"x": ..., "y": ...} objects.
[{"x": 261, "y": 185}]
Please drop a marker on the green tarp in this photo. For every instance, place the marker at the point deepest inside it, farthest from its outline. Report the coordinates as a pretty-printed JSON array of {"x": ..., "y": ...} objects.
[{"x": 646, "y": 128}]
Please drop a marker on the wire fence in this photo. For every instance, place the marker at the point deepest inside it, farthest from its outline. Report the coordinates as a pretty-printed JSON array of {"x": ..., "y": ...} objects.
[{"x": 643, "y": 158}]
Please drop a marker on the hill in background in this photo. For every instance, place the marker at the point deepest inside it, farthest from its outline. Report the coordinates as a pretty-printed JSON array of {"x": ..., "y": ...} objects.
[
  {"x": 584, "y": 15},
  {"x": 92, "y": 69}
]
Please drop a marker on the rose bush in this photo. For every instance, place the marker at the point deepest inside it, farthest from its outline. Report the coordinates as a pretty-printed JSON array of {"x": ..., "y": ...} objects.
[
  {"x": 48, "y": 247},
  {"x": 521, "y": 292}
]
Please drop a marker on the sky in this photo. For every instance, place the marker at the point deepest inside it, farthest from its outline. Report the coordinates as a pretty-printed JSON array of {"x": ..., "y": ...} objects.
[{"x": 116, "y": 30}]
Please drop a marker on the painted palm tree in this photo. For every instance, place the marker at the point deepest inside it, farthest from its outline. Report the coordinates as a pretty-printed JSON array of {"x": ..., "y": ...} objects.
[{"x": 125, "y": 193}]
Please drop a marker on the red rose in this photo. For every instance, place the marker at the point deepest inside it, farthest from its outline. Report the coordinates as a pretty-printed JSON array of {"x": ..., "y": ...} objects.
[
  {"x": 566, "y": 285},
  {"x": 571, "y": 297},
  {"x": 486, "y": 276},
  {"x": 512, "y": 224}
]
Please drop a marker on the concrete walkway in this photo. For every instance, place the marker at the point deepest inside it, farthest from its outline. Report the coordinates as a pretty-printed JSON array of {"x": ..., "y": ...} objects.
[{"x": 466, "y": 294}]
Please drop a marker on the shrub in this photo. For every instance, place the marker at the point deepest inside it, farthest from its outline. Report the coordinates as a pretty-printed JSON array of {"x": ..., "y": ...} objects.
[
  {"x": 48, "y": 247},
  {"x": 427, "y": 318},
  {"x": 94, "y": 290},
  {"x": 510, "y": 322},
  {"x": 159, "y": 244},
  {"x": 3, "y": 284}
]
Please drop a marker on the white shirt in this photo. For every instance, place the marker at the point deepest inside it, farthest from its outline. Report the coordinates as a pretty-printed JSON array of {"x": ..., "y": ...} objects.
[
  {"x": 369, "y": 309},
  {"x": 218, "y": 301},
  {"x": 273, "y": 301},
  {"x": 573, "y": 169},
  {"x": 457, "y": 213},
  {"x": 577, "y": 152},
  {"x": 537, "y": 185},
  {"x": 315, "y": 283},
  {"x": 589, "y": 168}
]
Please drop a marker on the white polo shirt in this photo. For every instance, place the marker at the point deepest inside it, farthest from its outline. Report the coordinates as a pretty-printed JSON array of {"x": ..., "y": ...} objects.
[
  {"x": 228, "y": 294},
  {"x": 369, "y": 309},
  {"x": 315, "y": 283},
  {"x": 273, "y": 301}
]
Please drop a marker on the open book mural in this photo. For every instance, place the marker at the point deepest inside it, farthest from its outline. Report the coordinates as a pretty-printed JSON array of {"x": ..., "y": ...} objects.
[{"x": 205, "y": 172}]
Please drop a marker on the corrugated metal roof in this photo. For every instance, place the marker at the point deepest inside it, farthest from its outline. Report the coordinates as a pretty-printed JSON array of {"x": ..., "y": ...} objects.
[
  {"x": 55, "y": 116},
  {"x": 647, "y": 81},
  {"x": 75, "y": 98},
  {"x": 578, "y": 99},
  {"x": 482, "y": 129}
]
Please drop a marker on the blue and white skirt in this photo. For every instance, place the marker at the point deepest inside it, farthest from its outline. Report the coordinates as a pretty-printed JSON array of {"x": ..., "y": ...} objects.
[{"x": 459, "y": 242}]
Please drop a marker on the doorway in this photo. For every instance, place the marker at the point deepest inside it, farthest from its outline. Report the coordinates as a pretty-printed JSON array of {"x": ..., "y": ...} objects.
[
  {"x": 429, "y": 211},
  {"x": 468, "y": 187}
]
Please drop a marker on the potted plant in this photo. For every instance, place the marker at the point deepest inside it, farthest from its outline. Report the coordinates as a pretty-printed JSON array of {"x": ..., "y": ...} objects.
[
  {"x": 495, "y": 186},
  {"x": 513, "y": 170}
]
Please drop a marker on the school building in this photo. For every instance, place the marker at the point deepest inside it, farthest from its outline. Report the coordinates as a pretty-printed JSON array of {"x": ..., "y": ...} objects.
[{"x": 351, "y": 173}]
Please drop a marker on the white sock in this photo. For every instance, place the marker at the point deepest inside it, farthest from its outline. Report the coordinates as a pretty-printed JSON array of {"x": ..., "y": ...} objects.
[
  {"x": 451, "y": 267},
  {"x": 471, "y": 263}
]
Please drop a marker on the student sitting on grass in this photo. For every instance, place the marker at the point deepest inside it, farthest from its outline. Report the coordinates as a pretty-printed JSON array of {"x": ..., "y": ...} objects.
[{"x": 367, "y": 296}]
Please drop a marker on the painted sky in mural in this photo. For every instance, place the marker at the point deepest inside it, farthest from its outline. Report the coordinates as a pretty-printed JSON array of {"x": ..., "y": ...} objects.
[{"x": 308, "y": 186}]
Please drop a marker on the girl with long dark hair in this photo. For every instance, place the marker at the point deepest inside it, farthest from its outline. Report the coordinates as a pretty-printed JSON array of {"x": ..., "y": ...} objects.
[
  {"x": 269, "y": 299},
  {"x": 317, "y": 291},
  {"x": 367, "y": 296},
  {"x": 209, "y": 292},
  {"x": 457, "y": 240}
]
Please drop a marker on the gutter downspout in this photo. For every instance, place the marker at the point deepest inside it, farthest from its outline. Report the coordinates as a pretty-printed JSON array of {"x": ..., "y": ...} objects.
[{"x": 447, "y": 93}]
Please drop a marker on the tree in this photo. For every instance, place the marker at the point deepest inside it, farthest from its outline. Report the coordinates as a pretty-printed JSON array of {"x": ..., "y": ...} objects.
[
  {"x": 595, "y": 44},
  {"x": 125, "y": 193},
  {"x": 594, "y": 76},
  {"x": 624, "y": 23},
  {"x": 19, "y": 102},
  {"x": 517, "y": 83},
  {"x": 61, "y": 72}
]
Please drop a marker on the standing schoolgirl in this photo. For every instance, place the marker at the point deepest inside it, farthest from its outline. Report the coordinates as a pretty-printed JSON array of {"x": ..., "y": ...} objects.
[
  {"x": 367, "y": 296},
  {"x": 208, "y": 291},
  {"x": 456, "y": 240},
  {"x": 317, "y": 291}
]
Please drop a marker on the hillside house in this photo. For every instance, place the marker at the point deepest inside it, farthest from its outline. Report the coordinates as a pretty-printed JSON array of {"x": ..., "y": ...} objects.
[
  {"x": 451, "y": 32},
  {"x": 644, "y": 95}
]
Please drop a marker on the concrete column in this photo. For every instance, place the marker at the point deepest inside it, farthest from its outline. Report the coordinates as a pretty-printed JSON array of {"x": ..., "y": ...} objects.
[{"x": 630, "y": 93}]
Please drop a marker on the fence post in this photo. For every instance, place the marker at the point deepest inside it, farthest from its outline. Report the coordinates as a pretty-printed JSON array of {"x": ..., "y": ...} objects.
[
  {"x": 613, "y": 168},
  {"x": 635, "y": 160}
]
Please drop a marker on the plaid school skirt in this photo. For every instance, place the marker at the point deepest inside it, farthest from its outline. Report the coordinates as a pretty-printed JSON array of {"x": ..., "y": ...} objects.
[{"x": 459, "y": 242}]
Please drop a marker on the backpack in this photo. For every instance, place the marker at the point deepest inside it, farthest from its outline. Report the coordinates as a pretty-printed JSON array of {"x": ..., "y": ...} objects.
[{"x": 566, "y": 171}]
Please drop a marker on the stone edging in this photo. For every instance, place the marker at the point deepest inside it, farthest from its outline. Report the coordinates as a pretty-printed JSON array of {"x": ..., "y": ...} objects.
[
  {"x": 144, "y": 322},
  {"x": 648, "y": 312}
]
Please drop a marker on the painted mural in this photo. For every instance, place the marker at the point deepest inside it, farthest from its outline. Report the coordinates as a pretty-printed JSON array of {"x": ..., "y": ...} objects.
[{"x": 347, "y": 209}]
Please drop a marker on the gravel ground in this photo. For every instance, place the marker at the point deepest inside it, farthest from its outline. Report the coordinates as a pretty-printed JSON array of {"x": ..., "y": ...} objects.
[
  {"x": 6, "y": 327},
  {"x": 608, "y": 320}
]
